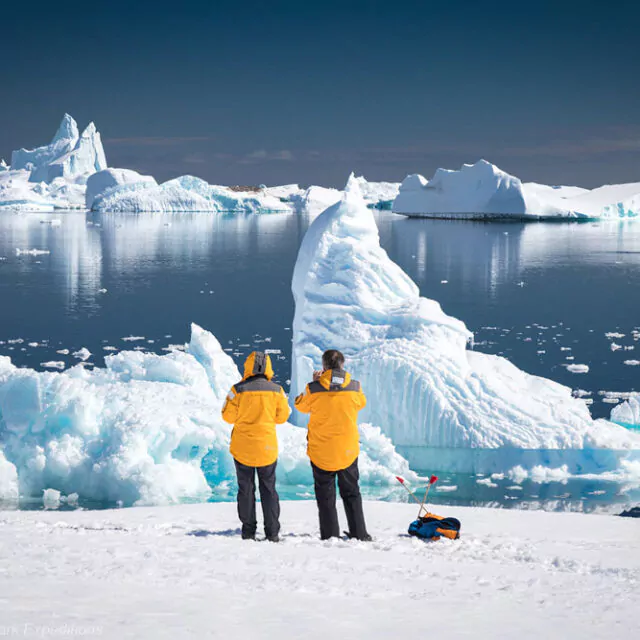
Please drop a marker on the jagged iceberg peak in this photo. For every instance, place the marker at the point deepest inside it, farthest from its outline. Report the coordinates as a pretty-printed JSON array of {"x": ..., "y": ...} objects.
[
  {"x": 425, "y": 388},
  {"x": 70, "y": 156},
  {"x": 68, "y": 130}
]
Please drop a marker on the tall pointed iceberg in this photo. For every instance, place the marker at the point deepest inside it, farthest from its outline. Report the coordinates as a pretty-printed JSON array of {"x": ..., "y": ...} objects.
[
  {"x": 69, "y": 155},
  {"x": 455, "y": 408}
]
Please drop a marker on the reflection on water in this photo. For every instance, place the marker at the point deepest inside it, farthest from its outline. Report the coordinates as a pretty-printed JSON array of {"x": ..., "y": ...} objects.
[{"x": 542, "y": 294}]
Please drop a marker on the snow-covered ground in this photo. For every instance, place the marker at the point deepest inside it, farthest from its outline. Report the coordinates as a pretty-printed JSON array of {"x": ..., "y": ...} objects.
[
  {"x": 183, "y": 572},
  {"x": 483, "y": 191}
]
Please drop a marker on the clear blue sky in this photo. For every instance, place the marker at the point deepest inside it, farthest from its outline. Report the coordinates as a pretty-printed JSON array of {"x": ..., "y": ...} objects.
[{"x": 250, "y": 92}]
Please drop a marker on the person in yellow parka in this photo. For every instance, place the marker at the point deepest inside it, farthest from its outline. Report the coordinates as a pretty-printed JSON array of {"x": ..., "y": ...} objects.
[
  {"x": 333, "y": 399},
  {"x": 254, "y": 406}
]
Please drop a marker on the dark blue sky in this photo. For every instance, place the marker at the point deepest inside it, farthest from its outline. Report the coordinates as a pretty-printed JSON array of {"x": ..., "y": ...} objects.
[{"x": 273, "y": 92}]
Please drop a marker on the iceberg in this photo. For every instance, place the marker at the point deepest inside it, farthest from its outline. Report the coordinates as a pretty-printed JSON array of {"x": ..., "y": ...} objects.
[
  {"x": 70, "y": 155},
  {"x": 446, "y": 407},
  {"x": 144, "y": 430},
  {"x": 103, "y": 183},
  {"x": 127, "y": 193},
  {"x": 483, "y": 191},
  {"x": 627, "y": 413},
  {"x": 54, "y": 176}
]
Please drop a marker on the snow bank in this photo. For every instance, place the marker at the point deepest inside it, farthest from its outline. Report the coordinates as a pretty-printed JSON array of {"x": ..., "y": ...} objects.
[
  {"x": 627, "y": 413},
  {"x": 482, "y": 190},
  {"x": 141, "y": 430},
  {"x": 457, "y": 409}
]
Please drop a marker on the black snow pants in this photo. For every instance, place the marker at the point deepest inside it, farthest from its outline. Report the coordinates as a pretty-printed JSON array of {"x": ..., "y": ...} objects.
[
  {"x": 268, "y": 497},
  {"x": 325, "y": 487}
]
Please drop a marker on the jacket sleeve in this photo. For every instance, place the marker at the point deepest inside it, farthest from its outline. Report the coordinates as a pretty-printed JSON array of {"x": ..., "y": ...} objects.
[
  {"x": 230, "y": 408},
  {"x": 361, "y": 400},
  {"x": 303, "y": 401},
  {"x": 282, "y": 410}
]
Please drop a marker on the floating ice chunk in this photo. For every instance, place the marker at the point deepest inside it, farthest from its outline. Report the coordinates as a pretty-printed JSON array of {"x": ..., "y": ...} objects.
[
  {"x": 34, "y": 344},
  {"x": 487, "y": 482},
  {"x": 615, "y": 347},
  {"x": 632, "y": 363},
  {"x": 83, "y": 354},
  {"x": 613, "y": 334},
  {"x": 53, "y": 364},
  {"x": 32, "y": 252},
  {"x": 102, "y": 291},
  {"x": 51, "y": 498},
  {"x": 133, "y": 338},
  {"x": 447, "y": 487},
  {"x": 578, "y": 368},
  {"x": 63, "y": 352},
  {"x": 627, "y": 413}
]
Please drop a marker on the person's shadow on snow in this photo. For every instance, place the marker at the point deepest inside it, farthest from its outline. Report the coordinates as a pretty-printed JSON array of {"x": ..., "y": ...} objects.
[{"x": 205, "y": 533}]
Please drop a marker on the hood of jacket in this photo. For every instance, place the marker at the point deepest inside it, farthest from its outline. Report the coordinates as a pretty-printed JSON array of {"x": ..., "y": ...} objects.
[
  {"x": 258, "y": 363},
  {"x": 334, "y": 378}
]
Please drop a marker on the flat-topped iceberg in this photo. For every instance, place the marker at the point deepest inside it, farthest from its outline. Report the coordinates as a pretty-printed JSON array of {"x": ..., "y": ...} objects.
[
  {"x": 482, "y": 191},
  {"x": 143, "y": 430},
  {"x": 457, "y": 409}
]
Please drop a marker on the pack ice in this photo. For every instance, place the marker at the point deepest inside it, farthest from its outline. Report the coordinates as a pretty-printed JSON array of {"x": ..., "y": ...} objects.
[
  {"x": 482, "y": 190},
  {"x": 143, "y": 430},
  {"x": 457, "y": 409},
  {"x": 53, "y": 176}
]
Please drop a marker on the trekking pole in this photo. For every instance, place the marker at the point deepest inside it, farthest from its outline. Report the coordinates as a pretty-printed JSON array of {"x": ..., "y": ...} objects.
[
  {"x": 413, "y": 495},
  {"x": 432, "y": 480}
]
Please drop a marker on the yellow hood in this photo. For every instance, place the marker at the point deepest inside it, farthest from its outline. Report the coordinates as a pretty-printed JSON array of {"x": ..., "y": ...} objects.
[
  {"x": 326, "y": 378},
  {"x": 256, "y": 363}
]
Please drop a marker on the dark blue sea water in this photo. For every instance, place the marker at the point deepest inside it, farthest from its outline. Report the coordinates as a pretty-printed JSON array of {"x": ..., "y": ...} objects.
[{"x": 538, "y": 293}]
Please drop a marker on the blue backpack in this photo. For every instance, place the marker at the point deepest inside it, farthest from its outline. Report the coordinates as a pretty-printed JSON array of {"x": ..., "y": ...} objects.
[{"x": 432, "y": 527}]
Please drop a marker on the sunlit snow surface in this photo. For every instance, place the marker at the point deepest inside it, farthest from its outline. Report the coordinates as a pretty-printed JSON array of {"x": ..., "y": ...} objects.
[
  {"x": 458, "y": 409},
  {"x": 143, "y": 430}
]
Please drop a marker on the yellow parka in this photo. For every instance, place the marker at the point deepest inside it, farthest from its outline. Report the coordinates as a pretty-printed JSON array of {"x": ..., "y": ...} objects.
[
  {"x": 333, "y": 402},
  {"x": 254, "y": 406}
]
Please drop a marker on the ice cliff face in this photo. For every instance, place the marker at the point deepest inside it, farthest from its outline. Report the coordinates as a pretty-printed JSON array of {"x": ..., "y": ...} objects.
[
  {"x": 465, "y": 410},
  {"x": 143, "y": 430},
  {"x": 482, "y": 190},
  {"x": 70, "y": 155}
]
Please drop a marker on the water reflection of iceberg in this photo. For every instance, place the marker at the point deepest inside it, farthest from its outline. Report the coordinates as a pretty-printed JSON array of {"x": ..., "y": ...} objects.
[{"x": 462, "y": 250}]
